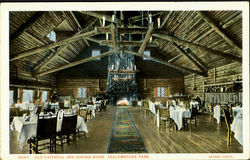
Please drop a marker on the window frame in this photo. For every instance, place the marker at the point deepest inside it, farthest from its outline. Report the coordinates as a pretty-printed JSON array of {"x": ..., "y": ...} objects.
[
  {"x": 96, "y": 51},
  {"x": 147, "y": 51},
  {"x": 23, "y": 93},
  {"x": 79, "y": 90}
]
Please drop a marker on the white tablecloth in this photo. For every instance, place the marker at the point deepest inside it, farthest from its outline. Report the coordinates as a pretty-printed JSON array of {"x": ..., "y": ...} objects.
[
  {"x": 25, "y": 106},
  {"x": 152, "y": 107},
  {"x": 236, "y": 110},
  {"x": 92, "y": 108},
  {"x": 178, "y": 114},
  {"x": 217, "y": 113},
  {"x": 237, "y": 128},
  {"x": 27, "y": 129}
]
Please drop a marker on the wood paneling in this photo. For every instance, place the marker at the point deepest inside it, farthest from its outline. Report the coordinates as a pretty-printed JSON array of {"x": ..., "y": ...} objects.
[
  {"x": 226, "y": 73},
  {"x": 66, "y": 86},
  {"x": 175, "y": 85}
]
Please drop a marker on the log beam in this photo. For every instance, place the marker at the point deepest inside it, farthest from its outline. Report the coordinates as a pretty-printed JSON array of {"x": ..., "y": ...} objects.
[
  {"x": 146, "y": 39},
  {"x": 79, "y": 26},
  {"x": 197, "y": 47},
  {"x": 221, "y": 32},
  {"x": 128, "y": 30},
  {"x": 53, "y": 45},
  {"x": 194, "y": 61},
  {"x": 113, "y": 35},
  {"x": 125, "y": 43},
  {"x": 72, "y": 64},
  {"x": 168, "y": 64},
  {"x": 26, "y": 25},
  {"x": 174, "y": 58},
  {"x": 65, "y": 60},
  {"x": 166, "y": 19},
  {"x": 100, "y": 15}
]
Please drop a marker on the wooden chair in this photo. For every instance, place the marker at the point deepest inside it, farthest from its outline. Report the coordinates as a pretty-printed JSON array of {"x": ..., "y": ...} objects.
[
  {"x": 13, "y": 113},
  {"x": 228, "y": 121},
  {"x": 83, "y": 114},
  {"x": 193, "y": 117},
  {"x": 145, "y": 105},
  {"x": 68, "y": 128},
  {"x": 46, "y": 129},
  {"x": 211, "y": 111},
  {"x": 165, "y": 117}
]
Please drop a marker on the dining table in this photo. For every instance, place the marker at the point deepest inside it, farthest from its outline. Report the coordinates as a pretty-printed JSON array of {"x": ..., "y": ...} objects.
[
  {"x": 178, "y": 114},
  {"x": 237, "y": 128},
  {"x": 236, "y": 110},
  {"x": 27, "y": 127},
  {"x": 152, "y": 107},
  {"x": 217, "y": 113}
]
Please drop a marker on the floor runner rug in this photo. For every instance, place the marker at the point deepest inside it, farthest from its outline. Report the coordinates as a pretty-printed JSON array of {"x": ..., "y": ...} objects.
[{"x": 124, "y": 135}]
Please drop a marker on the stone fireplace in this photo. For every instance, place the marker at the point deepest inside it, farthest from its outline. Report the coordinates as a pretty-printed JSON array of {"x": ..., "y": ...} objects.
[{"x": 121, "y": 80}]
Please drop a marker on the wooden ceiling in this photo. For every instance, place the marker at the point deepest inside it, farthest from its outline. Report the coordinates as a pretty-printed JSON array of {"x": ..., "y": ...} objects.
[{"x": 190, "y": 41}]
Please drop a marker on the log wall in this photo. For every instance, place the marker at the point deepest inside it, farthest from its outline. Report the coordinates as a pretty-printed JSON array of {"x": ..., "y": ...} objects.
[
  {"x": 65, "y": 87},
  {"x": 226, "y": 73},
  {"x": 175, "y": 85}
]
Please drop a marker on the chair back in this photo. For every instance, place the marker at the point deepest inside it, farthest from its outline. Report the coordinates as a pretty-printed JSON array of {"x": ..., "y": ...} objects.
[
  {"x": 164, "y": 112},
  {"x": 13, "y": 112},
  {"x": 83, "y": 114},
  {"x": 210, "y": 108},
  {"x": 228, "y": 119},
  {"x": 194, "y": 111},
  {"x": 69, "y": 124},
  {"x": 46, "y": 127},
  {"x": 39, "y": 109}
]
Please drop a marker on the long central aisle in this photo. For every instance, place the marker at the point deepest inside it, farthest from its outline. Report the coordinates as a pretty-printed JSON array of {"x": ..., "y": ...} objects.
[{"x": 124, "y": 135}]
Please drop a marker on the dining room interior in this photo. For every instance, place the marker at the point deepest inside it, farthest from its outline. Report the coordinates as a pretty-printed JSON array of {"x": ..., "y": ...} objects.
[{"x": 122, "y": 81}]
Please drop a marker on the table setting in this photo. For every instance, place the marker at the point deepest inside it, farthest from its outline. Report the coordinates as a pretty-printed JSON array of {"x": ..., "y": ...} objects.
[
  {"x": 26, "y": 125},
  {"x": 177, "y": 114},
  {"x": 237, "y": 128}
]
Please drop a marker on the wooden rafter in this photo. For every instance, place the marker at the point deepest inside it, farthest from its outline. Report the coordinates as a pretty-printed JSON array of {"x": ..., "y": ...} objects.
[
  {"x": 129, "y": 30},
  {"x": 146, "y": 39},
  {"x": 100, "y": 15},
  {"x": 65, "y": 60},
  {"x": 166, "y": 19},
  {"x": 47, "y": 60},
  {"x": 113, "y": 35},
  {"x": 79, "y": 26},
  {"x": 197, "y": 47},
  {"x": 139, "y": 18},
  {"x": 174, "y": 58},
  {"x": 221, "y": 32},
  {"x": 73, "y": 64},
  {"x": 168, "y": 64},
  {"x": 127, "y": 43},
  {"x": 26, "y": 25},
  {"x": 194, "y": 61},
  {"x": 53, "y": 45}
]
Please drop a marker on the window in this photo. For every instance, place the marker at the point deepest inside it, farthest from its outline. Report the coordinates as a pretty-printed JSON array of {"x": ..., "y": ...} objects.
[
  {"x": 82, "y": 92},
  {"x": 52, "y": 36},
  {"x": 147, "y": 53},
  {"x": 44, "y": 96},
  {"x": 27, "y": 95},
  {"x": 161, "y": 91},
  {"x": 96, "y": 53},
  {"x": 11, "y": 100}
]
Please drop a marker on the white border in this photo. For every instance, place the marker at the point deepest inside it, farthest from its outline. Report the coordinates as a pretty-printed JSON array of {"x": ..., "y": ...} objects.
[{"x": 6, "y": 7}]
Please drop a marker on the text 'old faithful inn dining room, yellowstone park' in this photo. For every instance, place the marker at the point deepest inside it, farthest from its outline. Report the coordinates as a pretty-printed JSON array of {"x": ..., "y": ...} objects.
[{"x": 133, "y": 82}]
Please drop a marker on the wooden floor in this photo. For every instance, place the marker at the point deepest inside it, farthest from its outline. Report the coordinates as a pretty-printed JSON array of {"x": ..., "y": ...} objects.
[{"x": 206, "y": 138}]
